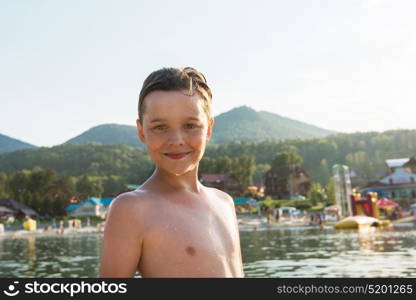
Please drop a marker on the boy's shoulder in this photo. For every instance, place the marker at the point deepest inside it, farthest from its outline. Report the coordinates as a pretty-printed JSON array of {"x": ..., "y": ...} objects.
[
  {"x": 127, "y": 201},
  {"x": 222, "y": 195},
  {"x": 137, "y": 207}
]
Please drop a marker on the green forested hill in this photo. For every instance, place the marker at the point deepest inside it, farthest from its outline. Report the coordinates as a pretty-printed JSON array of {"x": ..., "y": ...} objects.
[
  {"x": 109, "y": 134},
  {"x": 245, "y": 124},
  {"x": 92, "y": 159},
  {"x": 8, "y": 144},
  {"x": 239, "y": 124}
]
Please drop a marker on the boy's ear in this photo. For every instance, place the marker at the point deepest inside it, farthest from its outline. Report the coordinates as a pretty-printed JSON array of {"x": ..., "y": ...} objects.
[
  {"x": 210, "y": 128},
  {"x": 140, "y": 131}
]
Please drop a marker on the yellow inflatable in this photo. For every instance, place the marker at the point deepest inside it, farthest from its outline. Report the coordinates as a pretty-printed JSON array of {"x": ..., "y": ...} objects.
[
  {"x": 354, "y": 222},
  {"x": 29, "y": 224}
]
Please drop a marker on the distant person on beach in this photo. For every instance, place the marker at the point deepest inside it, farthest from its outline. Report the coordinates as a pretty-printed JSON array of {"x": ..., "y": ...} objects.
[{"x": 172, "y": 225}]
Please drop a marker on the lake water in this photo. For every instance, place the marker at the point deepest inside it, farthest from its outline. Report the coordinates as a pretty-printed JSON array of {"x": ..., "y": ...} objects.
[{"x": 281, "y": 252}]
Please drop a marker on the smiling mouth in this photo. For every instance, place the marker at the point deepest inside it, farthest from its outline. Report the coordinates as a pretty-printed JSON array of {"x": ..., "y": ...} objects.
[{"x": 177, "y": 155}]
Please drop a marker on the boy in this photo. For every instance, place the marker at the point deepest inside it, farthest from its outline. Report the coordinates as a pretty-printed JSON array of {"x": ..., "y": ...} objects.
[{"x": 172, "y": 225}]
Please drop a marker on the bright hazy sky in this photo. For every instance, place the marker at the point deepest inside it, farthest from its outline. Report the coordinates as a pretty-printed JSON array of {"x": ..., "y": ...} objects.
[{"x": 345, "y": 65}]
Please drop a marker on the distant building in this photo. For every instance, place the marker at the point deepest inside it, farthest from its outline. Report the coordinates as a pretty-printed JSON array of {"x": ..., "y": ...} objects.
[
  {"x": 224, "y": 182},
  {"x": 5, "y": 213},
  {"x": 90, "y": 207},
  {"x": 400, "y": 183},
  {"x": 15, "y": 209},
  {"x": 244, "y": 205},
  {"x": 281, "y": 182}
]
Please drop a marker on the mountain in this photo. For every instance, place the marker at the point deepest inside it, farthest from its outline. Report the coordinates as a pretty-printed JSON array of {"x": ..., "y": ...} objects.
[
  {"x": 239, "y": 124},
  {"x": 109, "y": 134},
  {"x": 245, "y": 124},
  {"x": 8, "y": 144}
]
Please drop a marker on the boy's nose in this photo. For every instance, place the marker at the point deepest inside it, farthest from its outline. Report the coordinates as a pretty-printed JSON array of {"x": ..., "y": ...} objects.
[{"x": 175, "y": 138}]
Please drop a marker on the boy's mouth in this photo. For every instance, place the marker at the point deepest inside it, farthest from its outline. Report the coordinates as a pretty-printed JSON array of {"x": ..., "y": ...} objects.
[{"x": 177, "y": 155}]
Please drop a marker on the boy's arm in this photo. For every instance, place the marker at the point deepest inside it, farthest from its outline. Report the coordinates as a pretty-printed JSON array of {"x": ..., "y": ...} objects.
[
  {"x": 123, "y": 238},
  {"x": 230, "y": 202}
]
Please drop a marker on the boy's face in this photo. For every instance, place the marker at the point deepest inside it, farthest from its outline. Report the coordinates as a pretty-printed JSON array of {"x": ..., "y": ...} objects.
[{"x": 175, "y": 129}]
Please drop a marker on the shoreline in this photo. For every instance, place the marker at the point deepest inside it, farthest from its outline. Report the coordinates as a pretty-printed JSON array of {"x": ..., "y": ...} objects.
[
  {"x": 245, "y": 222},
  {"x": 21, "y": 233}
]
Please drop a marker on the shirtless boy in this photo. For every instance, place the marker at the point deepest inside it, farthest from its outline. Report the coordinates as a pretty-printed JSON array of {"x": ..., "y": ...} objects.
[{"x": 172, "y": 225}]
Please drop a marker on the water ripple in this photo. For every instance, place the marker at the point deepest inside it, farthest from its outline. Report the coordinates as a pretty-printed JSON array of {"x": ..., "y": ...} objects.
[{"x": 283, "y": 252}]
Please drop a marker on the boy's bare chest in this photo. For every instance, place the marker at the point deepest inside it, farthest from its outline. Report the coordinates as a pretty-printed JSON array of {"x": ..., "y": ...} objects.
[
  {"x": 197, "y": 232},
  {"x": 192, "y": 239}
]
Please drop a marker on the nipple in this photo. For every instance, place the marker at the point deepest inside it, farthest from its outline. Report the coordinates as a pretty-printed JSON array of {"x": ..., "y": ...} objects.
[{"x": 190, "y": 250}]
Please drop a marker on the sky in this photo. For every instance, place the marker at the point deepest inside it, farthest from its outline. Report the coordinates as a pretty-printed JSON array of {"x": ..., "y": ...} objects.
[{"x": 343, "y": 65}]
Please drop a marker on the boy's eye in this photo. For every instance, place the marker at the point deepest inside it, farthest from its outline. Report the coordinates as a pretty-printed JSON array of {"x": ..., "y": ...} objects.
[
  {"x": 160, "y": 127},
  {"x": 190, "y": 126}
]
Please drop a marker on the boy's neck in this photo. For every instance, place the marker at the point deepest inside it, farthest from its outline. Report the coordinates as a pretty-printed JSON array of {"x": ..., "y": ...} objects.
[{"x": 186, "y": 182}]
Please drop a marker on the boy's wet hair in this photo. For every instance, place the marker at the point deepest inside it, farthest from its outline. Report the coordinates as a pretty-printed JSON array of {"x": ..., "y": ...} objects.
[{"x": 187, "y": 79}]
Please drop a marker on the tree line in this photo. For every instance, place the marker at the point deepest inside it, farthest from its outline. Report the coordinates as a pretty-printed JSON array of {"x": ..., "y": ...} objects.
[
  {"x": 49, "y": 193},
  {"x": 43, "y": 176}
]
